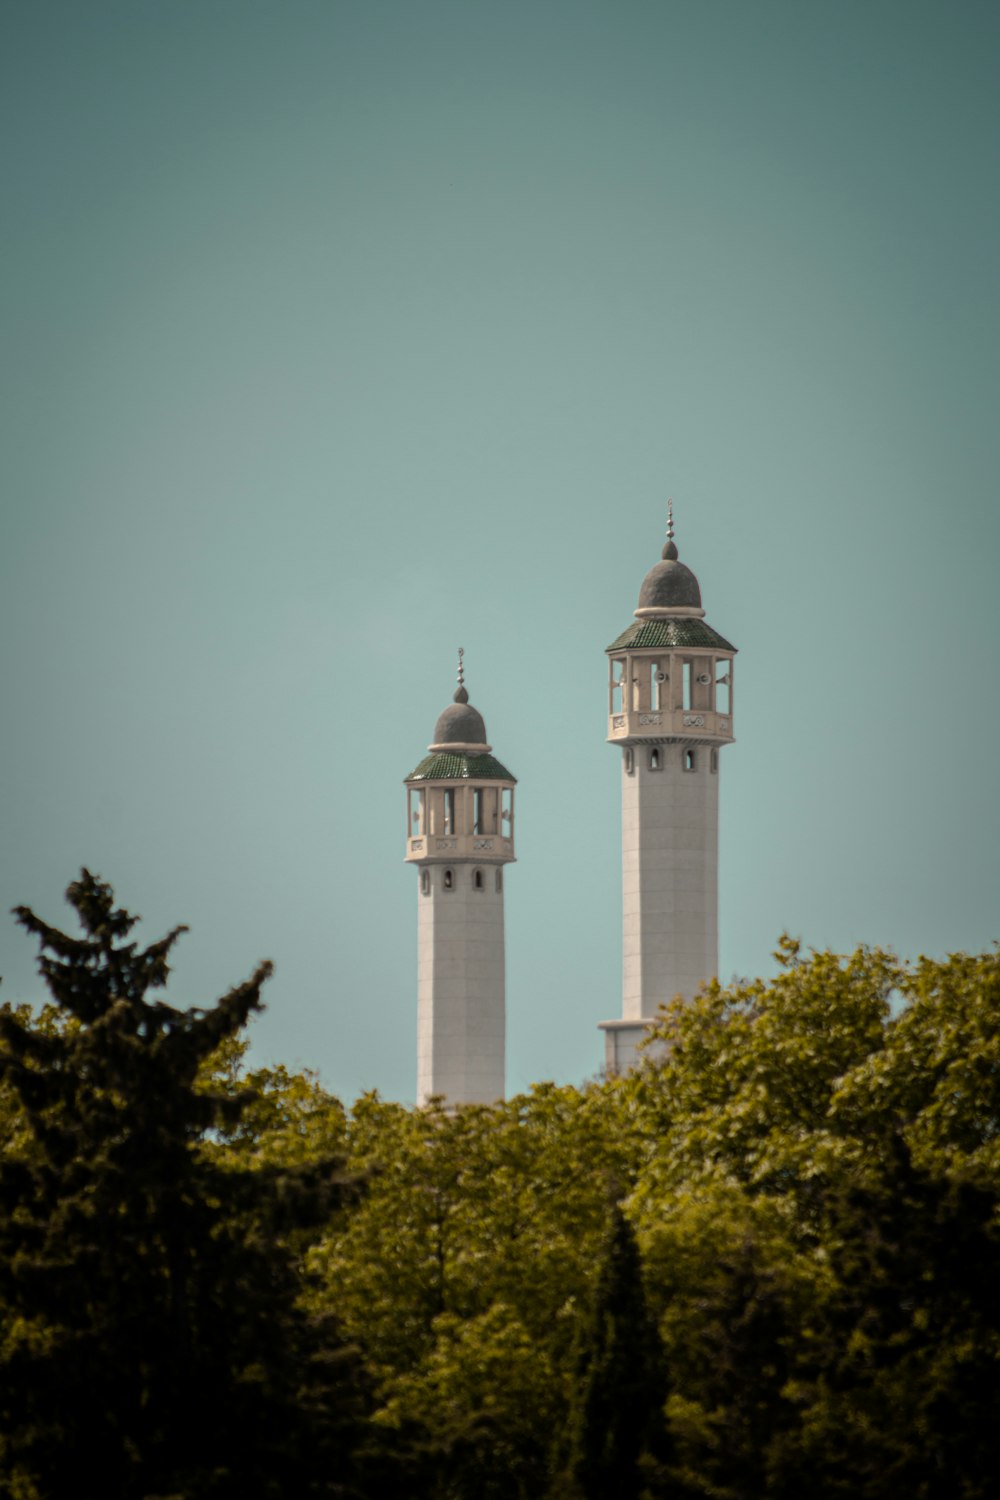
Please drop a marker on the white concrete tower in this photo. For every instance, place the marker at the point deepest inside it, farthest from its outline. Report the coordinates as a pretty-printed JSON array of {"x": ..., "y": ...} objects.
[
  {"x": 460, "y": 834},
  {"x": 670, "y": 708}
]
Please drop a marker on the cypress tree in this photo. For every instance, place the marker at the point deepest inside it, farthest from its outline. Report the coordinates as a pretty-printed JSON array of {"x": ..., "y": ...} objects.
[
  {"x": 622, "y": 1379},
  {"x": 154, "y": 1345}
]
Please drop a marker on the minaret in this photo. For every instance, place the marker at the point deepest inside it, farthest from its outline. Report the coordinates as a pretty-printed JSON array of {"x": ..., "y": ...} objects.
[
  {"x": 670, "y": 707},
  {"x": 460, "y": 834}
]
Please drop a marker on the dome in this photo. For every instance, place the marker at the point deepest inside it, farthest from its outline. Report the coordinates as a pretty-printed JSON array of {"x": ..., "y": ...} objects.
[
  {"x": 460, "y": 724},
  {"x": 670, "y": 585}
]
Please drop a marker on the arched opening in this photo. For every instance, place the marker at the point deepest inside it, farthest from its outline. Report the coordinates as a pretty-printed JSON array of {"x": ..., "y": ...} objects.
[
  {"x": 499, "y": 878},
  {"x": 689, "y": 764},
  {"x": 425, "y": 882},
  {"x": 477, "y": 880},
  {"x": 713, "y": 762},
  {"x": 654, "y": 759},
  {"x": 449, "y": 880}
]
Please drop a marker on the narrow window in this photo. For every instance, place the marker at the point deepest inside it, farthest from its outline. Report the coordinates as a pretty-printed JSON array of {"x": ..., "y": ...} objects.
[
  {"x": 713, "y": 762},
  {"x": 449, "y": 880},
  {"x": 499, "y": 878},
  {"x": 687, "y": 684},
  {"x": 485, "y": 810},
  {"x": 689, "y": 760},
  {"x": 629, "y": 761},
  {"x": 425, "y": 882},
  {"x": 449, "y": 811},
  {"x": 654, "y": 759},
  {"x": 722, "y": 685},
  {"x": 616, "y": 703},
  {"x": 477, "y": 879}
]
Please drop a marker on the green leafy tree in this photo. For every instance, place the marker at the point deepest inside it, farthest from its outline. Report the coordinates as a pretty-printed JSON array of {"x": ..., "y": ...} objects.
[
  {"x": 743, "y": 1092},
  {"x": 476, "y": 1248},
  {"x": 936, "y": 1078},
  {"x": 817, "y": 1210},
  {"x": 476, "y": 1417},
  {"x": 154, "y": 1342},
  {"x": 899, "y": 1394}
]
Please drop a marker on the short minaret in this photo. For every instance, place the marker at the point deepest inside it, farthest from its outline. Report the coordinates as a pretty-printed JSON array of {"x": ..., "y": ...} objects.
[
  {"x": 670, "y": 710},
  {"x": 460, "y": 834}
]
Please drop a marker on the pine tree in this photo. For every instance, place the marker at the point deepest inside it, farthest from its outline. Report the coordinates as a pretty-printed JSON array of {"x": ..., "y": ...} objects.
[{"x": 154, "y": 1344}]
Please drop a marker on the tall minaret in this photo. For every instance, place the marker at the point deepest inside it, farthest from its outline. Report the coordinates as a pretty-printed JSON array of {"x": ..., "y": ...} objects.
[
  {"x": 670, "y": 706},
  {"x": 460, "y": 834}
]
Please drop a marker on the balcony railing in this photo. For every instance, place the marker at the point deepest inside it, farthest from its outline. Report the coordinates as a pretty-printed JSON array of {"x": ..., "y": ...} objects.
[
  {"x": 489, "y": 847},
  {"x": 658, "y": 724}
]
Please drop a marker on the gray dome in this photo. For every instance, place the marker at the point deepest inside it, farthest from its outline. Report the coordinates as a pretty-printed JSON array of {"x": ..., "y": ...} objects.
[
  {"x": 670, "y": 585},
  {"x": 460, "y": 724}
]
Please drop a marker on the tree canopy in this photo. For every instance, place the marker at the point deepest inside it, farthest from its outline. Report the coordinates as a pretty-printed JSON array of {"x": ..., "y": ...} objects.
[{"x": 761, "y": 1264}]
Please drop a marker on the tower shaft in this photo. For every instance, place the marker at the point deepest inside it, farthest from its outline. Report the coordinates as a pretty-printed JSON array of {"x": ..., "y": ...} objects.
[
  {"x": 670, "y": 843},
  {"x": 460, "y": 986}
]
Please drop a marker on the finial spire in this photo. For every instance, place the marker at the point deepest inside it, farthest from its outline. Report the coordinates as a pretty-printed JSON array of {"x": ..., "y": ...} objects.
[
  {"x": 669, "y": 553},
  {"x": 461, "y": 696}
]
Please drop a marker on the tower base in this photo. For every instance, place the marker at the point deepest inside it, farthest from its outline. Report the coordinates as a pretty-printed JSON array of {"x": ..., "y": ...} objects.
[{"x": 621, "y": 1043}]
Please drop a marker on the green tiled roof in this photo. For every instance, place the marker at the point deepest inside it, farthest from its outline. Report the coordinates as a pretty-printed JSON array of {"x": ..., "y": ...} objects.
[
  {"x": 682, "y": 632},
  {"x": 444, "y": 767}
]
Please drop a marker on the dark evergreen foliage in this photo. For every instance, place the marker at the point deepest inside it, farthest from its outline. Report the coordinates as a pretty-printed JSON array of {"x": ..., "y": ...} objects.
[
  {"x": 153, "y": 1343},
  {"x": 622, "y": 1379}
]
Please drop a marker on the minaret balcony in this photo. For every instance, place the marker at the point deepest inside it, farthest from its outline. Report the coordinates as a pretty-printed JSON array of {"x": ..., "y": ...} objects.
[
  {"x": 670, "y": 723},
  {"x": 449, "y": 848}
]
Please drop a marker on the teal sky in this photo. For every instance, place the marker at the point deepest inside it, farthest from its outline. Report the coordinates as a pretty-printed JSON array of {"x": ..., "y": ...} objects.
[{"x": 336, "y": 335}]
